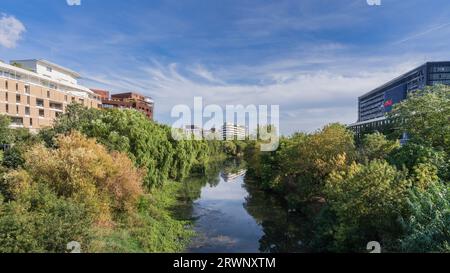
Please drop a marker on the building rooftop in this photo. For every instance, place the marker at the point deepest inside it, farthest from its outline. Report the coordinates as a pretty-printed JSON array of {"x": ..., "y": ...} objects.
[
  {"x": 29, "y": 73},
  {"x": 412, "y": 71},
  {"x": 53, "y": 65}
]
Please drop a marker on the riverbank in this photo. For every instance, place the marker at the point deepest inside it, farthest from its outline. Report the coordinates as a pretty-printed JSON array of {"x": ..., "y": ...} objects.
[{"x": 154, "y": 229}]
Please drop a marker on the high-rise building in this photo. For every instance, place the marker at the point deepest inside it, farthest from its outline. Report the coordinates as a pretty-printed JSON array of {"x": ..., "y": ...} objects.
[
  {"x": 373, "y": 106},
  {"x": 34, "y": 92},
  {"x": 128, "y": 100},
  {"x": 232, "y": 131}
]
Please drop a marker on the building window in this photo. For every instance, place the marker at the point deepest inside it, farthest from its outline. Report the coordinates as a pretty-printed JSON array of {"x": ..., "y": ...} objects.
[
  {"x": 17, "y": 87},
  {"x": 7, "y": 108},
  {"x": 27, "y": 111},
  {"x": 28, "y": 100},
  {"x": 31, "y": 122},
  {"x": 41, "y": 113},
  {"x": 17, "y": 109},
  {"x": 48, "y": 93},
  {"x": 49, "y": 69},
  {"x": 40, "y": 102},
  {"x": 6, "y": 84},
  {"x": 57, "y": 106},
  {"x": 17, "y": 98},
  {"x": 17, "y": 121},
  {"x": 6, "y": 96},
  {"x": 65, "y": 97},
  {"x": 27, "y": 89}
]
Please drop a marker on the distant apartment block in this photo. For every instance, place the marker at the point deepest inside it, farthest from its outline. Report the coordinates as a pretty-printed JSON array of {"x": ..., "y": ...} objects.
[
  {"x": 232, "y": 131},
  {"x": 128, "y": 100},
  {"x": 373, "y": 106},
  {"x": 35, "y": 92}
]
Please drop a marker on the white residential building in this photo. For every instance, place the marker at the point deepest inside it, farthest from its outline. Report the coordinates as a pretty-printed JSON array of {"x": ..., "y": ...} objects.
[
  {"x": 233, "y": 131},
  {"x": 34, "y": 92}
]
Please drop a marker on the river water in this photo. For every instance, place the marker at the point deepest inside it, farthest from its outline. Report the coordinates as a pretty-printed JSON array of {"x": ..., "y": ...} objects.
[{"x": 231, "y": 215}]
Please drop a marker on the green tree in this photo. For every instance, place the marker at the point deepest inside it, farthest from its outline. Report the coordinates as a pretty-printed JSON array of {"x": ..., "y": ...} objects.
[
  {"x": 147, "y": 143},
  {"x": 39, "y": 221},
  {"x": 377, "y": 146},
  {"x": 413, "y": 154},
  {"x": 5, "y": 131},
  {"x": 425, "y": 116},
  {"x": 367, "y": 200},
  {"x": 427, "y": 224}
]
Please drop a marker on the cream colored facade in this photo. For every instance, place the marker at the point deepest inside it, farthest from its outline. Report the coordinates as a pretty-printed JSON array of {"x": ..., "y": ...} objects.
[{"x": 34, "y": 100}]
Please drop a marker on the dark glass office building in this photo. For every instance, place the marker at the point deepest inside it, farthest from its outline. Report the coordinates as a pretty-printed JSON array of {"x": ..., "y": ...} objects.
[{"x": 373, "y": 106}]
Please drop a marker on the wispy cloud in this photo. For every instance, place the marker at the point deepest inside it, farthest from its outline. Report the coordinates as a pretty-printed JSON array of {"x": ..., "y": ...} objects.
[
  {"x": 422, "y": 33},
  {"x": 203, "y": 73},
  {"x": 11, "y": 31},
  {"x": 308, "y": 99}
]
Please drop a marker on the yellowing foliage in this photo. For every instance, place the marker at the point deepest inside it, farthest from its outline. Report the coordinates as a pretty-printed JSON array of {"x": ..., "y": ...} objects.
[{"x": 83, "y": 170}]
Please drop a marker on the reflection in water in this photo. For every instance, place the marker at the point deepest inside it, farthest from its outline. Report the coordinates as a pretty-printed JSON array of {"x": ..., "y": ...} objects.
[
  {"x": 232, "y": 177},
  {"x": 231, "y": 215},
  {"x": 283, "y": 231}
]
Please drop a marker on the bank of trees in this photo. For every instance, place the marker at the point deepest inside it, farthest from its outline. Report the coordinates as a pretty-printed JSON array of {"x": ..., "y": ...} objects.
[
  {"x": 101, "y": 178},
  {"x": 374, "y": 191}
]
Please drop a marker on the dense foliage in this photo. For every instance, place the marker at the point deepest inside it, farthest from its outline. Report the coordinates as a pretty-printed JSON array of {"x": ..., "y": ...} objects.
[
  {"x": 373, "y": 189},
  {"x": 98, "y": 177},
  {"x": 148, "y": 144}
]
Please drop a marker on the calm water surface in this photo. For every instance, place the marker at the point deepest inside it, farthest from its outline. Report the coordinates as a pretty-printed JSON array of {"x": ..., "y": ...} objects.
[{"x": 231, "y": 215}]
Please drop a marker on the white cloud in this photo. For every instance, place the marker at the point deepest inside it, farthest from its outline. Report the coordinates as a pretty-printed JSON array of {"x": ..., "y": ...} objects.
[
  {"x": 11, "y": 31},
  {"x": 203, "y": 73},
  {"x": 308, "y": 99}
]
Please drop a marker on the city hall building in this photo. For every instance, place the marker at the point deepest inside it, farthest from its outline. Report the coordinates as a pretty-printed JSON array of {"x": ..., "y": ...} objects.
[
  {"x": 373, "y": 106},
  {"x": 35, "y": 92}
]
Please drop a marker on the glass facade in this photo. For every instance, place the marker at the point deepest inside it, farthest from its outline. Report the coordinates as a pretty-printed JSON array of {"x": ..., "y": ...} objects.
[{"x": 378, "y": 102}]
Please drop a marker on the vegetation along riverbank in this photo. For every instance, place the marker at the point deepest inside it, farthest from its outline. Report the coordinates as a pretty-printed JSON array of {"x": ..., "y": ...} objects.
[
  {"x": 103, "y": 178},
  {"x": 369, "y": 190}
]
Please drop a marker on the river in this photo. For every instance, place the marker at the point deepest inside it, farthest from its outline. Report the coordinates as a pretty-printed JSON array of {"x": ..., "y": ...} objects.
[{"x": 230, "y": 214}]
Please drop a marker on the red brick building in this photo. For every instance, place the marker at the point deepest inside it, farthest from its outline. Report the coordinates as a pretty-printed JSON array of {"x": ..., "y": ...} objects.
[
  {"x": 128, "y": 100},
  {"x": 102, "y": 94}
]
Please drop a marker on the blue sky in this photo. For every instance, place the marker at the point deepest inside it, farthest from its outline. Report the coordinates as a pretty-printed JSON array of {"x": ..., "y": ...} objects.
[{"x": 311, "y": 57}]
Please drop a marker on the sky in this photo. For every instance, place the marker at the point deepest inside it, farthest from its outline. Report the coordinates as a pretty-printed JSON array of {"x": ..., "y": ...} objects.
[{"x": 313, "y": 58}]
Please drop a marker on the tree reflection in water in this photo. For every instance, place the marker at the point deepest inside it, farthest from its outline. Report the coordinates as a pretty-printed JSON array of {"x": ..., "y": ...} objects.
[{"x": 284, "y": 231}]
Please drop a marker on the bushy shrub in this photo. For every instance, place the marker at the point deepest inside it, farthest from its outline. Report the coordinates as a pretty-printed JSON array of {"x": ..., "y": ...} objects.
[
  {"x": 39, "y": 221},
  {"x": 428, "y": 221},
  {"x": 367, "y": 200},
  {"x": 85, "y": 171}
]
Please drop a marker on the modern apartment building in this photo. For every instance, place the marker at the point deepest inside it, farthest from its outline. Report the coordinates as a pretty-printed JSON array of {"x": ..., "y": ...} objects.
[
  {"x": 34, "y": 92},
  {"x": 373, "y": 106},
  {"x": 129, "y": 100},
  {"x": 232, "y": 131}
]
